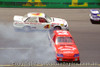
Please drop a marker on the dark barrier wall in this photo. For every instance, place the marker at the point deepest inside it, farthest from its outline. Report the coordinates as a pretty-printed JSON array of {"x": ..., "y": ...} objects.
[{"x": 51, "y": 3}]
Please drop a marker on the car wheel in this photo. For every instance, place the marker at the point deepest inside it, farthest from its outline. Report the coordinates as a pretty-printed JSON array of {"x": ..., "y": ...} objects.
[
  {"x": 57, "y": 28},
  {"x": 27, "y": 28},
  {"x": 77, "y": 62},
  {"x": 92, "y": 21},
  {"x": 67, "y": 29},
  {"x": 58, "y": 62}
]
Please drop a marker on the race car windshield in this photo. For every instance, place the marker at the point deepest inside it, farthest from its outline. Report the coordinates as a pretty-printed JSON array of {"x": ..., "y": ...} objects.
[
  {"x": 48, "y": 18},
  {"x": 67, "y": 40}
]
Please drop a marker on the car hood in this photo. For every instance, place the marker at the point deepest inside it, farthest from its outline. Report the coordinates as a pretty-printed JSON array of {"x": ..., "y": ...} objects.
[
  {"x": 59, "y": 21},
  {"x": 67, "y": 49}
]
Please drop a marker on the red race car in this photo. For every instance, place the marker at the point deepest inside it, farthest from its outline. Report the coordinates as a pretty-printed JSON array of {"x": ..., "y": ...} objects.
[{"x": 65, "y": 47}]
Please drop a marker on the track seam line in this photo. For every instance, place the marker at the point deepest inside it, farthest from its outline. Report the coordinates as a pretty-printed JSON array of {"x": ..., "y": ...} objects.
[{"x": 14, "y": 48}]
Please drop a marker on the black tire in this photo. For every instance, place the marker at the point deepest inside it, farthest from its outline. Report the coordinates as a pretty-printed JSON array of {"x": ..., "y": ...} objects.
[
  {"x": 67, "y": 29},
  {"x": 77, "y": 62},
  {"x": 59, "y": 62},
  {"x": 57, "y": 28},
  {"x": 92, "y": 21},
  {"x": 27, "y": 28}
]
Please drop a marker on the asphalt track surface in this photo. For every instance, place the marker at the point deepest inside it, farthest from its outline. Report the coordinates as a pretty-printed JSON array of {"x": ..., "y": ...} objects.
[{"x": 35, "y": 48}]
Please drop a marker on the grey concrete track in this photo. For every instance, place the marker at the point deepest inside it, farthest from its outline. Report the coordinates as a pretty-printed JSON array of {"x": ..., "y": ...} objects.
[{"x": 34, "y": 47}]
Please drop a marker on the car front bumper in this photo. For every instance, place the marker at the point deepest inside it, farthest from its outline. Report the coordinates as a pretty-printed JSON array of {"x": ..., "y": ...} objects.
[
  {"x": 94, "y": 19},
  {"x": 68, "y": 59}
]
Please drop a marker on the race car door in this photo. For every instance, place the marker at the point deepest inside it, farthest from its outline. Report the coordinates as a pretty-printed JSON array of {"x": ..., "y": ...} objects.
[
  {"x": 32, "y": 22},
  {"x": 43, "y": 24}
]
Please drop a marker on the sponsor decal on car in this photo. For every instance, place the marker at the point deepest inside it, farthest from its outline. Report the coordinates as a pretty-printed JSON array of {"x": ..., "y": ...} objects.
[
  {"x": 55, "y": 23},
  {"x": 69, "y": 48},
  {"x": 26, "y": 23},
  {"x": 37, "y": 14},
  {"x": 47, "y": 26},
  {"x": 68, "y": 52},
  {"x": 98, "y": 15}
]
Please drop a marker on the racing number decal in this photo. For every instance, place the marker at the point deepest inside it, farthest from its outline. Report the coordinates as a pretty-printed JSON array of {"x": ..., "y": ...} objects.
[
  {"x": 62, "y": 33},
  {"x": 47, "y": 26}
]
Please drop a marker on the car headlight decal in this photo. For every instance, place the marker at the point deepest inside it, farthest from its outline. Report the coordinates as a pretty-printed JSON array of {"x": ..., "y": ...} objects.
[
  {"x": 60, "y": 55},
  {"x": 76, "y": 55}
]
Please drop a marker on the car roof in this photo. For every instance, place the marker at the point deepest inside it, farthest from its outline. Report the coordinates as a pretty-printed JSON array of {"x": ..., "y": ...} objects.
[
  {"x": 35, "y": 14},
  {"x": 94, "y": 11},
  {"x": 62, "y": 33}
]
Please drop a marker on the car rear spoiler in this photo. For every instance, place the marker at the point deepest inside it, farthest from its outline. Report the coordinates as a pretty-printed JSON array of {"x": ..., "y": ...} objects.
[{"x": 18, "y": 18}]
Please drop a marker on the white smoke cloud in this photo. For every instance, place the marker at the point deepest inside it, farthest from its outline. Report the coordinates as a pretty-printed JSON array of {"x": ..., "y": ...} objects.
[{"x": 24, "y": 47}]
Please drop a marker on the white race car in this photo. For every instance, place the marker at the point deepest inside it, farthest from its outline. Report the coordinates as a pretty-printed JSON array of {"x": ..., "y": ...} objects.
[{"x": 41, "y": 21}]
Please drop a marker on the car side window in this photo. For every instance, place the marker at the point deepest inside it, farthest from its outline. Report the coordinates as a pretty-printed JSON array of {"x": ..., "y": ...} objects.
[
  {"x": 42, "y": 20},
  {"x": 32, "y": 20}
]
